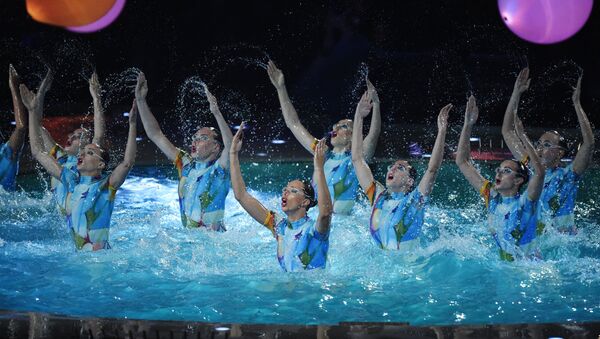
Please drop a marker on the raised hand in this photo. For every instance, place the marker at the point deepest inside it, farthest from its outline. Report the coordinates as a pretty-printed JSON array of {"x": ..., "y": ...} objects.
[
  {"x": 212, "y": 101},
  {"x": 522, "y": 82},
  {"x": 372, "y": 92},
  {"x": 442, "y": 120},
  {"x": 236, "y": 142},
  {"x": 319, "y": 156},
  {"x": 27, "y": 97},
  {"x": 364, "y": 105},
  {"x": 141, "y": 87},
  {"x": 275, "y": 75},
  {"x": 94, "y": 85},
  {"x": 577, "y": 92},
  {"x": 471, "y": 112},
  {"x": 13, "y": 79},
  {"x": 133, "y": 113}
]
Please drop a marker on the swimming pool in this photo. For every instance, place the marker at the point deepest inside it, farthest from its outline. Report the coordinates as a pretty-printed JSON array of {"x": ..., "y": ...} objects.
[{"x": 159, "y": 270}]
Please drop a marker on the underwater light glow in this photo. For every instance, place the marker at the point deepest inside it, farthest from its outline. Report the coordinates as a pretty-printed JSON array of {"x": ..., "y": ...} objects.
[
  {"x": 545, "y": 21},
  {"x": 277, "y": 141},
  {"x": 474, "y": 139}
]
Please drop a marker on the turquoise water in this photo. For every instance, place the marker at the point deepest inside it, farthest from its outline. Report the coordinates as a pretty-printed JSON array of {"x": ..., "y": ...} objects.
[{"x": 159, "y": 270}]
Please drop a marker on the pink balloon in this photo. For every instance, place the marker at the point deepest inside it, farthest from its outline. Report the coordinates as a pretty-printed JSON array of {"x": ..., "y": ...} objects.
[
  {"x": 545, "y": 21},
  {"x": 101, "y": 23}
]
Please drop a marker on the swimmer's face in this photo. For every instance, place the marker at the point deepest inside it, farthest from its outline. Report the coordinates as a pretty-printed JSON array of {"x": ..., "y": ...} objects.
[
  {"x": 398, "y": 176},
  {"x": 507, "y": 177},
  {"x": 341, "y": 133},
  {"x": 90, "y": 161},
  {"x": 549, "y": 150},
  {"x": 74, "y": 141},
  {"x": 204, "y": 146},
  {"x": 293, "y": 197}
]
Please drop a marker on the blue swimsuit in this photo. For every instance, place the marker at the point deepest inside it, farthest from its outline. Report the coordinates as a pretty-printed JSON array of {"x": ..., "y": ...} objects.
[
  {"x": 88, "y": 206},
  {"x": 396, "y": 218},
  {"x": 513, "y": 222},
  {"x": 202, "y": 190},
  {"x": 9, "y": 167},
  {"x": 299, "y": 245}
]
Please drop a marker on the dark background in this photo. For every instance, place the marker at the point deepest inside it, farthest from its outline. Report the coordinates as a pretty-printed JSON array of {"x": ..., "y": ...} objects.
[{"x": 420, "y": 55}]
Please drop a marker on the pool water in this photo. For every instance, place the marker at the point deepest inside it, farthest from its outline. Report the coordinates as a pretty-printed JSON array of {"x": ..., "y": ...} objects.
[{"x": 159, "y": 270}]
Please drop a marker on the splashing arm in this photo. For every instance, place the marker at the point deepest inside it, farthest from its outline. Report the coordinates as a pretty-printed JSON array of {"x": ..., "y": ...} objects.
[
  {"x": 508, "y": 131},
  {"x": 463, "y": 153},
  {"x": 536, "y": 182},
  {"x": 583, "y": 157},
  {"x": 292, "y": 121},
  {"x": 99, "y": 122},
  {"x": 324, "y": 203},
  {"x": 248, "y": 202},
  {"x": 437, "y": 155},
  {"x": 370, "y": 142},
  {"x": 18, "y": 136},
  {"x": 363, "y": 172},
  {"x": 34, "y": 104},
  {"x": 120, "y": 172},
  {"x": 149, "y": 121},
  {"x": 223, "y": 128}
]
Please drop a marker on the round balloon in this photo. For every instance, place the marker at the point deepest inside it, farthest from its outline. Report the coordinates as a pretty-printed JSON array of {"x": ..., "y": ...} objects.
[
  {"x": 545, "y": 21},
  {"x": 104, "y": 21},
  {"x": 68, "y": 12}
]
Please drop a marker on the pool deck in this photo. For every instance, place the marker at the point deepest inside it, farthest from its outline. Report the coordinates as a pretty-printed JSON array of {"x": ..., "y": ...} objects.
[{"x": 15, "y": 324}]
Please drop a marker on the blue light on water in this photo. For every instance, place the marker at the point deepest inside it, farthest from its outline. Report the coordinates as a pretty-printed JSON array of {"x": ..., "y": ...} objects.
[
  {"x": 278, "y": 141},
  {"x": 157, "y": 269}
]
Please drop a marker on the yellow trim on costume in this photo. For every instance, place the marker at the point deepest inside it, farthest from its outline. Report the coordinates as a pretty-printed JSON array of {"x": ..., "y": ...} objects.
[
  {"x": 525, "y": 160},
  {"x": 178, "y": 162},
  {"x": 485, "y": 192},
  {"x": 371, "y": 192},
  {"x": 314, "y": 144},
  {"x": 54, "y": 150},
  {"x": 270, "y": 220}
]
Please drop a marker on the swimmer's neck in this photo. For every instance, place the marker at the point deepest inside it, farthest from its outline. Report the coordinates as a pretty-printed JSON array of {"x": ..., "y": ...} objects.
[
  {"x": 210, "y": 159},
  {"x": 400, "y": 189},
  {"x": 296, "y": 215},
  {"x": 509, "y": 193},
  {"x": 341, "y": 149}
]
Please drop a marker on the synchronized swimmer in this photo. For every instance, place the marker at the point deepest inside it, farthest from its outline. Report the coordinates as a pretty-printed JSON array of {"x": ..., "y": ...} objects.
[{"x": 526, "y": 197}]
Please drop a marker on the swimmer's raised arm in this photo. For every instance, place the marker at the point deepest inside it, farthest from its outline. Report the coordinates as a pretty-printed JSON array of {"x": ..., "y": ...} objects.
[
  {"x": 248, "y": 202},
  {"x": 99, "y": 122},
  {"x": 35, "y": 105},
  {"x": 370, "y": 142},
  {"x": 17, "y": 138},
  {"x": 536, "y": 182},
  {"x": 463, "y": 153},
  {"x": 437, "y": 155},
  {"x": 292, "y": 121},
  {"x": 324, "y": 203},
  {"x": 150, "y": 124},
  {"x": 223, "y": 128},
  {"x": 363, "y": 172},
  {"x": 508, "y": 125},
  {"x": 583, "y": 157},
  {"x": 120, "y": 172}
]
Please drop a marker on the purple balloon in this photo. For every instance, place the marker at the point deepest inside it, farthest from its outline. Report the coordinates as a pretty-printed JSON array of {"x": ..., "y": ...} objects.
[
  {"x": 545, "y": 21},
  {"x": 101, "y": 23}
]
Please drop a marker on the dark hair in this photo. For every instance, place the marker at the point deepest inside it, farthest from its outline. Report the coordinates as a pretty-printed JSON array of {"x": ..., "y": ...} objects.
[
  {"x": 561, "y": 140},
  {"x": 522, "y": 171},
  {"x": 309, "y": 193}
]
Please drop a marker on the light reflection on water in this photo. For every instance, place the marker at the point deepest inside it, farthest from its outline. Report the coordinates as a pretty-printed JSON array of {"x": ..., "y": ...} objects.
[{"x": 159, "y": 270}]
